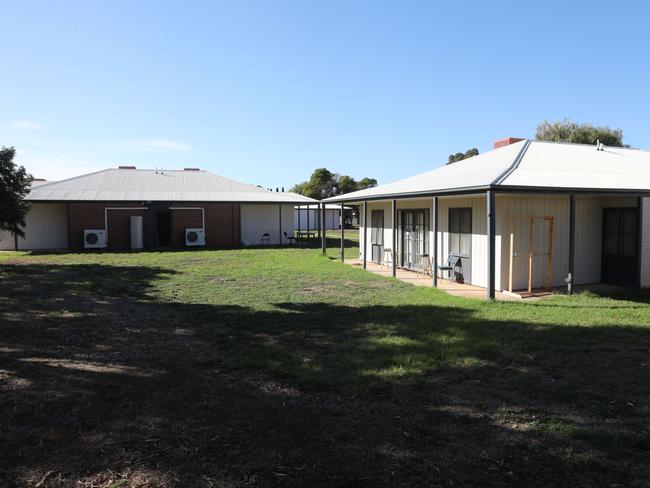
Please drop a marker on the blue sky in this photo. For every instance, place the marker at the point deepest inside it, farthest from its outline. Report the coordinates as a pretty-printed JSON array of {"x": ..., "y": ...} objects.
[{"x": 264, "y": 92}]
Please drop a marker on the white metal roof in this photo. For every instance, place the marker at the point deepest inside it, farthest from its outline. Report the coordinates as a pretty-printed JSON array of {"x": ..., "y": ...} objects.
[
  {"x": 527, "y": 165},
  {"x": 155, "y": 185},
  {"x": 556, "y": 165}
]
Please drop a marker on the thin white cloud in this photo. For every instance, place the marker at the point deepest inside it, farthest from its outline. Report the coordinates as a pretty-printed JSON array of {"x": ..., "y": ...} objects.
[
  {"x": 26, "y": 124},
  {"x": 167, "y": 144}
]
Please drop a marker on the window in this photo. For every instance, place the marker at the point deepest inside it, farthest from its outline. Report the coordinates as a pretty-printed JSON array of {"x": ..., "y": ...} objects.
[
  {"x": 377, "y": 227},
  {"x": 460, "y": 231}
]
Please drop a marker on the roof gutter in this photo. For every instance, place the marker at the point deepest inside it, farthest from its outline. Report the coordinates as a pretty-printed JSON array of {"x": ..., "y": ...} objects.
[{"x": 421, "y": 194}]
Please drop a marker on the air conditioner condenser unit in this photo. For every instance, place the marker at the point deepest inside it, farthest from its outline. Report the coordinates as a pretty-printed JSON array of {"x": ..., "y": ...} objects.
[
  {"x": 94, "y": 238},
  {"x": 194, "y": 237}
]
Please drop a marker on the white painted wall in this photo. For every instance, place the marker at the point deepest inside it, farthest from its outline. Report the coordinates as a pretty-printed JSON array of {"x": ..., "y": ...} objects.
[
  {"x": 46, "y": 227},
  {"x": 258, "y": 219},
  {"x": 589, "y": 215},
  {"x": 508, "y": 206},
  {"x": 589, "y": 234},
  {"x": 589, "y": 221},
  {"x": 478, "y": 204},
  {"x": 332, "y": 219},
  {"x": 388, "y": 219}
]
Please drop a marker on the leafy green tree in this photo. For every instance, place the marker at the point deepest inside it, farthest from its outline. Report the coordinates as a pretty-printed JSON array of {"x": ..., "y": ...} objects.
[
  {"x": 324, "y": 184},
  {"x": 366, "y": 182},
  {"x": 298, "y": 188},
  {"x": 459, "y": 156},
  {"x": 346, "y": 184},
  {"x": 568, "y": 131},
  {"x": 321, "y": 184},
  {"x": 14, "y": 187}
]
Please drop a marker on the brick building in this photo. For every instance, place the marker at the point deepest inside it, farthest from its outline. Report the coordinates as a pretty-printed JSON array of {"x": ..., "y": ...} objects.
[{"x": 127, "y": 208}]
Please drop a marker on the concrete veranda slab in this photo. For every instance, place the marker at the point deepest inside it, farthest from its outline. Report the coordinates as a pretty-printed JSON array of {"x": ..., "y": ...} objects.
[{"x": 419, "y": 279}]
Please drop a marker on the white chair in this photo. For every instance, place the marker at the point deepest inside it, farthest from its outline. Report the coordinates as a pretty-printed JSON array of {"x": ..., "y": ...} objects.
[
  {"x": 424, "y": 265},
  {"x": 388, "y": 257}
]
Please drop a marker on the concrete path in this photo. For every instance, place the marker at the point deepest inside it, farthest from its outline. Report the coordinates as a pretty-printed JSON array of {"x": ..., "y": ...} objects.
[{"x": 418, "y": 279}]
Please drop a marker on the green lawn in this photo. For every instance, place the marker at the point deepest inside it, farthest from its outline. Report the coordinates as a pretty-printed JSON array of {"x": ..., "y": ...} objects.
[{"x": 260, "y": 367}]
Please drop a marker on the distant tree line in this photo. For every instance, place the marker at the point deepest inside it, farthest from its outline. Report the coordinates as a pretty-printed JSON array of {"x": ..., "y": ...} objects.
[
  {"x": 324, "y": 184},
  {"x": 459, "y": 156},
  {"x": 563, "y": 131}
]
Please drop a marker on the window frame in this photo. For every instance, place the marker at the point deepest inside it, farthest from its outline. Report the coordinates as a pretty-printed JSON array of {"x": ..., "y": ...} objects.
[
  {"x": 456, "y": 221},
  {"x": 376, "y": 232}
]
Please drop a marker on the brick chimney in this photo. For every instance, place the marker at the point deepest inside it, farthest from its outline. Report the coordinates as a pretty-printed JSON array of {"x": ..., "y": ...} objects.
[{"x": 506, "y": 141}]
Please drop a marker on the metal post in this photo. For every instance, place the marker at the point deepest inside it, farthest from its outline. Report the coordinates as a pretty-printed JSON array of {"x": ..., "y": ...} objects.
[
  {"x": 570, "y": 279},
  {"x": 299, "y": 212},
  {"x": 639, "y": 239},
  {"x": 491, "y": 210},
  {"x": 324, "y": 234},
  {"x": 394, "y": 250},
  {"x": 280, "y": 233},
  {"x": 308, "y": 229},
  {"x": 365, "y": 233},
  {"x": 434, "y": 257},
  {"x": 320, "y": 220},
  {"x": 342, "y": 234}
]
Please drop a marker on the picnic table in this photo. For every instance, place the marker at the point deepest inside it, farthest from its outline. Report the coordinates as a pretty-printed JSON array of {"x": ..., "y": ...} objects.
[{"x": 304, "y": 235}]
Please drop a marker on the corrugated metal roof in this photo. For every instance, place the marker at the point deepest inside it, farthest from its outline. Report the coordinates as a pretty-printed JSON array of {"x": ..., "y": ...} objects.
[
  {"x": 557, "y": 165},
  {"x": 155, "y": 186},
  {"x": 527, "y": 164}
]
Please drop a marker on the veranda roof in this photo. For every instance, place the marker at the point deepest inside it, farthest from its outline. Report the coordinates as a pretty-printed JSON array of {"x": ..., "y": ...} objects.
[{"x": 526, "y": 165}]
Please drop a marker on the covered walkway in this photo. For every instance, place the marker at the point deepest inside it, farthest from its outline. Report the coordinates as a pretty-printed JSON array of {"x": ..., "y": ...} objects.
[{"x": 419, "y": 279}]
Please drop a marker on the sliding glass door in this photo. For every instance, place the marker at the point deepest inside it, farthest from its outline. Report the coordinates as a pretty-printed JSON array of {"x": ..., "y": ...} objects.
[{"x": 414, "y": 237}]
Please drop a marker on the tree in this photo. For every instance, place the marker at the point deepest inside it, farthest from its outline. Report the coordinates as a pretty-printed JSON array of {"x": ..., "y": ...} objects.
[
  {"x": 14, "y": 187},
  {"x": 367, "y": 183},
  {"x": 346, "y": 184},
  {"x": 454, "y": 158},
  {"x": 321, "y": 184},
  {"x": 298, "y": 188},
  {"x": 324, "y": 184},
  {"x": 568, "y": 131}
]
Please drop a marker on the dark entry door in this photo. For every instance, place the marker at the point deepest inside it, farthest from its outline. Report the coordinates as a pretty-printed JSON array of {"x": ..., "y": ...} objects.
[
  {"x": 164, "y": 228},
  {"x": 620, "y": 263}
]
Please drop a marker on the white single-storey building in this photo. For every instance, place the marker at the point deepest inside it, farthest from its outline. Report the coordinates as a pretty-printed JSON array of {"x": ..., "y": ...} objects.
[
  {"x": 128, "y": 208},
  {"x": 524, "y": 216},
  {"x": 308, "y": 217}
]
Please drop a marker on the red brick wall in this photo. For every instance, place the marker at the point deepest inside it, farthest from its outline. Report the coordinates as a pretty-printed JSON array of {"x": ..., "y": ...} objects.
[
  {"x": 506, "y": 141},
  {"x": 179, "y": 221},
  {"x": 91, "y": 216},
  {"x": 221, "y": 224}
]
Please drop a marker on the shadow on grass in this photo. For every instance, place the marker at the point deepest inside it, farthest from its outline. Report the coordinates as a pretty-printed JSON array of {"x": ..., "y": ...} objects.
[{"x": 97, "y": 378}]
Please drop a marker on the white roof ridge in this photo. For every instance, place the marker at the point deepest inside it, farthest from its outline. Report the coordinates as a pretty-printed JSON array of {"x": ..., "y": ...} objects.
[
  {"x": 512, "y": 167},
  {"x": 584, "y": 144}
]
